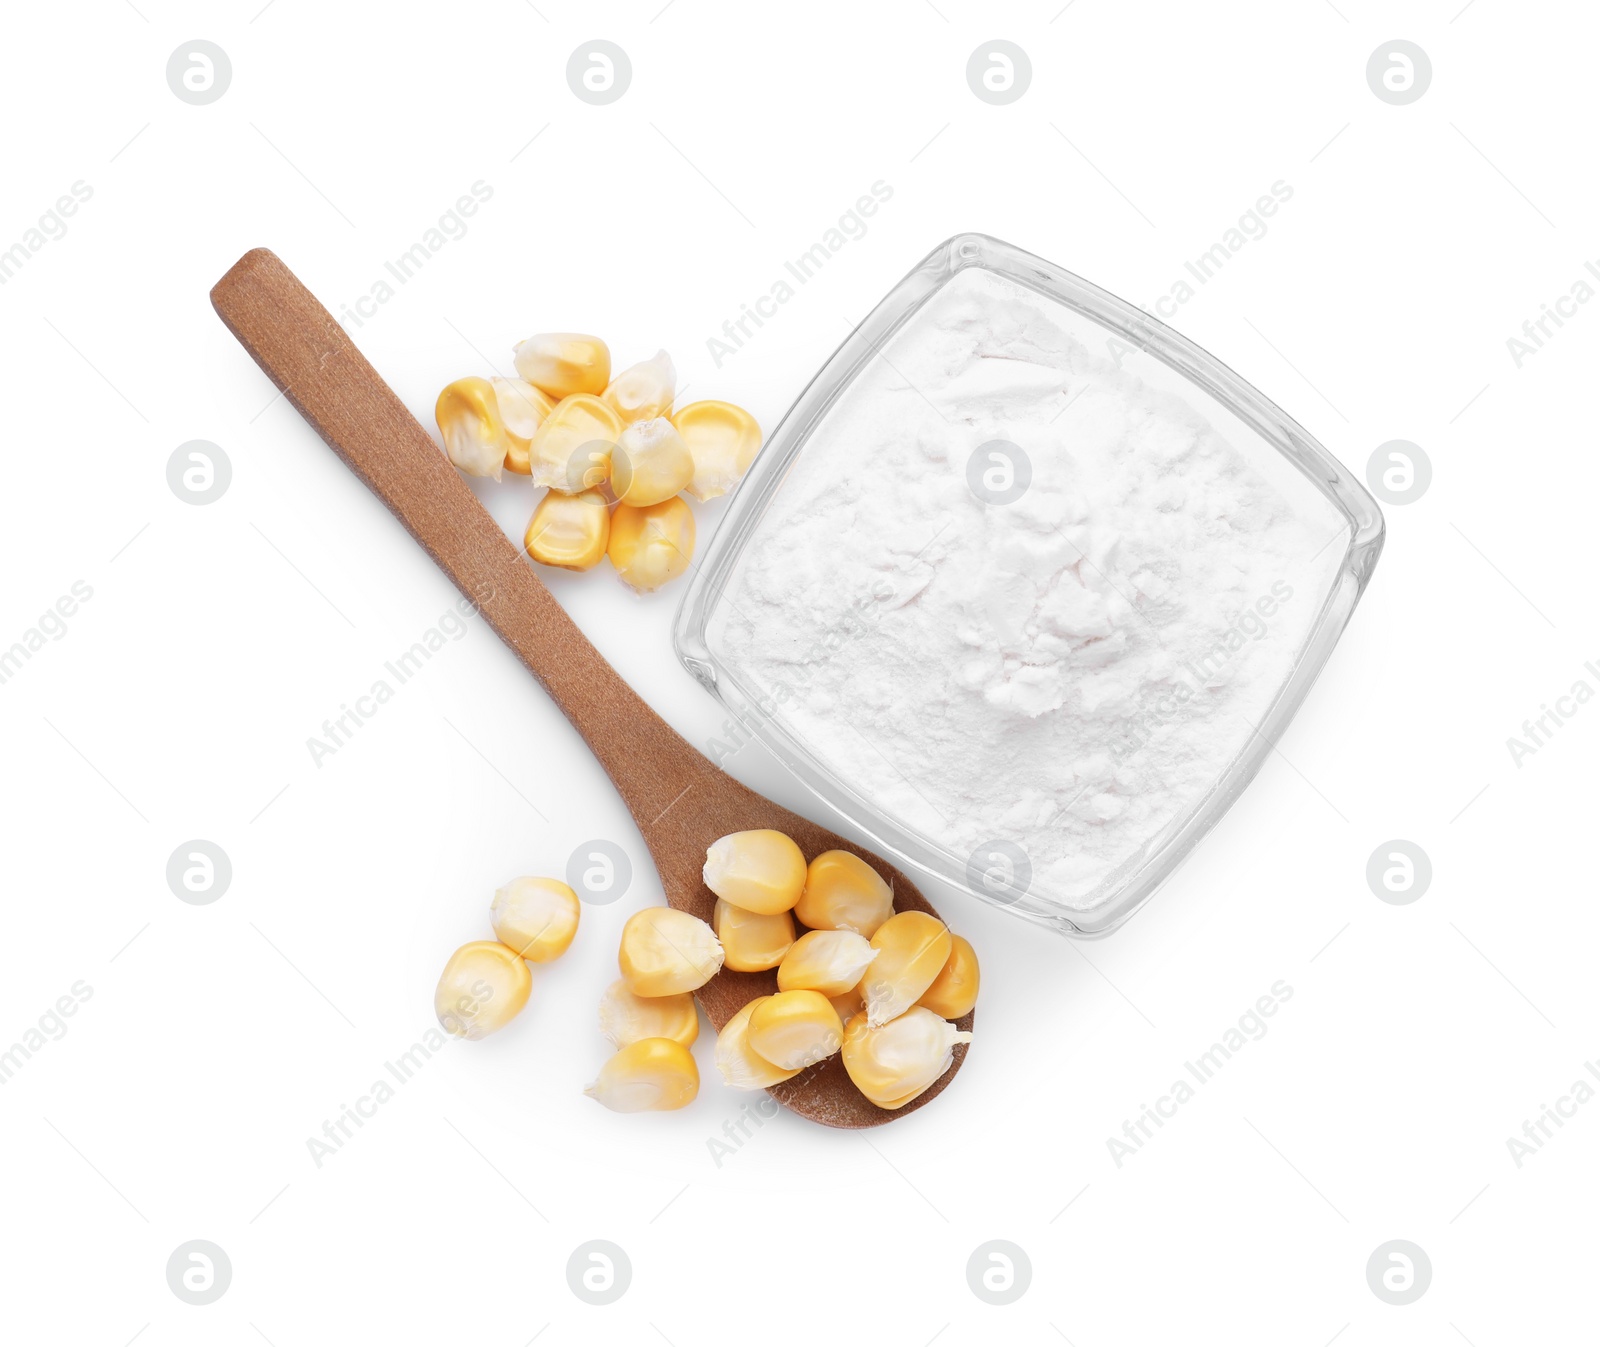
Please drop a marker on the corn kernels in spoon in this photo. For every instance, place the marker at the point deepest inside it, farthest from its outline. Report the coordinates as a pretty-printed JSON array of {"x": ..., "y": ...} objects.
[
  {"x": 569, "y": 531},
  {"x": 650, "y": 463},
  {"x": 644, "y": 390},
  {"x": 626, "y": 1018},
  {"x": 760, "y": 870},
  {"x": 652, "y": 1075},
  {"x": 752, "y": 941},
  {"x": 895, "y": 1062},
  {"x": 522, "y": 409},
  {"x": 844, "y": 893},
  {"x": 665, "y": 952},
  {"x": 830, "y": 962},
  {"x": 795, "y": 1029},
  {"x": 571, "y": 450},
  {"x": 470, "y": 425},
  {"x": 722, "y": 439},
  {"x": 535, "y": 917},
  {"x": 651, "y": 544},
  {"x": 913, "y": 948},
  {"x": 482, "y": 988},
  {"x": 741, "y": 1065},
  {"x": 564, "y": 363},
  {"x": 955, "y": 991}
]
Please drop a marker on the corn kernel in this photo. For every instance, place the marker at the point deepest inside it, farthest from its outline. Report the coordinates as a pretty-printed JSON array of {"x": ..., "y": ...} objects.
[
  {"x": 665, "y": 952},
  {"x": 523, "y": 409},
  {"x": 955, "y": 991},
  {"x": 569, "y": 531},
  {"x": 653, "y": 1074},
  {"x": 760, "y": 870},
  {"x": 722, "y": 440},
  {"x": 844, "y": 893},
  {"x": 741, "y": 1065},
  {"x": 626, "y": 1018},
  {"x": 752, "y": 941},
  {"x": 644, "y": 390},
  {"x": 913, "y": 948},
  {"x": 650, "y": 463},
  {"x": 564, "y": 363},
  {"x": 535, "y": 917},
  {"x": 793, "y": 1030},
  {"x": 830, "y": 962},
  {"x": 651, "y": 544},
  {"x": 470, "y": 425},
  {"x": 482, "y": 988},
  {"x": 848, "y": 1006},
  {"x": 571, "y": 450},
  {"x": 894, "y": 1063}
]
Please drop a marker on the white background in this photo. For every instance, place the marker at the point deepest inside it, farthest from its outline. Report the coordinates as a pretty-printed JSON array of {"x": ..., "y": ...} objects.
[{"x": 178, "y": 703}]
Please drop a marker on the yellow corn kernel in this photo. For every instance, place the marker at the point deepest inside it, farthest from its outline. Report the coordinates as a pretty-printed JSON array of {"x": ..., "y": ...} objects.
[
  {"x": 650, "y": 463},
  {"x": 795, "y": 1029},
  {"x": 564, "y": 363},
  {"x": 470, "y": 425},
  {"x": 523, "y": 409},
  {"x": 569, "y": 531},
  {"x": 665, "y": 952},
  {"x": 722, "y": 440},
  {"x": 653, "y": 1074},
  {"x": 482, "y": 988},
  {"x": 752, "y": 941},
  {"x": 571, "y": 450},
  {"x": 760, "y": 870},
  {"x": 741, "y": 1065},
  {"x": 955, "y": 991},
  {"x": 913, "y": 949},
  {"x": 535, "y": 917},
  {"x": 893, "y": 1063},
  {"x": 848, "y": 1006},
  {"x": 644, "y": 390},
  {"x": 651, "y": 544},
  {"x": 626, "y": 1018},
  {"x": 830, "y": 962},
  {"x": 844, "y": 893}
]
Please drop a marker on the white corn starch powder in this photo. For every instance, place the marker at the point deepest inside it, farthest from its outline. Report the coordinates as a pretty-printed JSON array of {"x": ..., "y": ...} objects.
[{"x": 1071, "y": 671}]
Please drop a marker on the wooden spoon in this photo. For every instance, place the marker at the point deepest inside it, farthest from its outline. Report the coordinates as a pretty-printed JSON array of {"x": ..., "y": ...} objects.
[{"x": 679, "y": 800}]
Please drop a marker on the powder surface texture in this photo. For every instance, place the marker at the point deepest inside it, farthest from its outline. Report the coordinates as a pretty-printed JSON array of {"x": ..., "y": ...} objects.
[{"x": 1069, "y": 672}]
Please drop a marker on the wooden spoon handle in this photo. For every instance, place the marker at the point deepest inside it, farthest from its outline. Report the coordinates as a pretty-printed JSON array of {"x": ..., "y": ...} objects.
[{"x": 312, "y": 360}]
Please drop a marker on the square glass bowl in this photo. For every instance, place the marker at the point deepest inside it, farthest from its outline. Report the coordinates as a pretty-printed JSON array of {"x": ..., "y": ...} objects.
[{"x": 1277, "y": 447}]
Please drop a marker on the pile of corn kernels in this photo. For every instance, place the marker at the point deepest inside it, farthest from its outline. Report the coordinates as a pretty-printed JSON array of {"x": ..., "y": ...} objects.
[
  {"x": 612, "y": 452},
  {"x": 880, "y": 986}
]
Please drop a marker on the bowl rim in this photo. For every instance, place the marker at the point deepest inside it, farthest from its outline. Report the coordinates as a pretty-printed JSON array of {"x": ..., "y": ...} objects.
[{"x": 755, "y": 709}]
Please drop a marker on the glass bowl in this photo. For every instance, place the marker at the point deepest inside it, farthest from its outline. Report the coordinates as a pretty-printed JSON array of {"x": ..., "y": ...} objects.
[{"x": 1277, "y": 447}]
